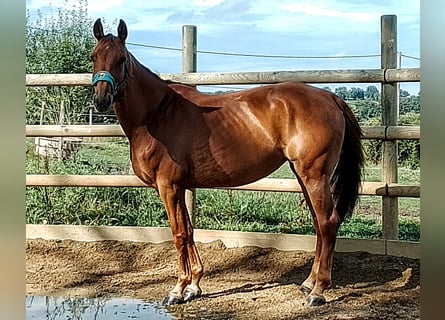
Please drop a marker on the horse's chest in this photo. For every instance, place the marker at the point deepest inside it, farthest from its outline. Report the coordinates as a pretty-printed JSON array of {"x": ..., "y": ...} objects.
[
  {"x": 152, "y": 161},
  {"x": 145, "y": 159},
  {"x": 141, "y": 169}
]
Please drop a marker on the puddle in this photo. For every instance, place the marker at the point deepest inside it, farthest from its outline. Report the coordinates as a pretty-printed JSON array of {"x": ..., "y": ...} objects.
[
  {"x": 75, "y": 308},
  {"x": 81, "y": 308}
]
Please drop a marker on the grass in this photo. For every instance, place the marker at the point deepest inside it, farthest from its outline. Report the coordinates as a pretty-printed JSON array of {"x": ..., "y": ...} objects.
[{"x": 215, "y": 209}]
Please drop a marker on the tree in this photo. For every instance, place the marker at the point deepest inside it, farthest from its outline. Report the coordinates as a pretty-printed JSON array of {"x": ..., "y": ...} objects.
[
  {"x": 372, "y": 93},
  {"x": 342, "y": 92},
  {"x": 410, "y": 104},
  {"x": 408, "y": 150},
  {"x": 356, "y": 94},
  {"x": 366, "y": 109},
  {"x": 373, "y": 147},
  {"x": 59, "y": 44},
  {"x": 404, "y": 93},
  {"x": 327, "y": 89}
]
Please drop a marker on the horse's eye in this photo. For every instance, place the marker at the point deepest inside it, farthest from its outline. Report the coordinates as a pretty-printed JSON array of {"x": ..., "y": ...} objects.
[{"x": 122, "y": 60}]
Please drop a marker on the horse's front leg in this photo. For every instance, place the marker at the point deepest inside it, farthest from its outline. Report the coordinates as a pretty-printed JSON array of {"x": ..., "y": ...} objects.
[{"x": 190, "y": 269}]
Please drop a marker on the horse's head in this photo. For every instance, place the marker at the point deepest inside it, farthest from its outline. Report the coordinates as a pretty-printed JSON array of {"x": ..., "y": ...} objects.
[{"x": 109, "y": 65}]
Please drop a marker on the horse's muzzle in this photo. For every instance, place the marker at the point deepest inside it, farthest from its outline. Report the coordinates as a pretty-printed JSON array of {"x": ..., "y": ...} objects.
[
  {"x": 102, "y": 82},
  {"x": 103, "y": 102}
]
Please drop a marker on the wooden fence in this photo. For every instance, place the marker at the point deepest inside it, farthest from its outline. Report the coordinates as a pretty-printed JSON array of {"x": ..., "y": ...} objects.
[{"x": 389, "y": 76}]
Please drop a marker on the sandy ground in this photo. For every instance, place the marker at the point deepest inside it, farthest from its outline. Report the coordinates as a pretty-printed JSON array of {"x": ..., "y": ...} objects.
[{"x": 239, "y": 283}]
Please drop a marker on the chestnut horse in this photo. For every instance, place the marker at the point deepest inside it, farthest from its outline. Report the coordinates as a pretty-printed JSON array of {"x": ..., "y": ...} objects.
[{"x": 181, "y": 139}]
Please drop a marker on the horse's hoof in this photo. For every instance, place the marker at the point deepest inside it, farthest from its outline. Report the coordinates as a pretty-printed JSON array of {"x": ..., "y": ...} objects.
[
  {"x": 172, "y": 299},
  {"x": 315, "y": 300},
  {"x": 305, "y": 290},
  {"x": 189, "y": 294}
]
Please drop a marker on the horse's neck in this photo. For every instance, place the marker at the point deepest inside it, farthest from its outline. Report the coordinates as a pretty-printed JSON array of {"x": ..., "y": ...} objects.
[{"x": 145, "y": 97}]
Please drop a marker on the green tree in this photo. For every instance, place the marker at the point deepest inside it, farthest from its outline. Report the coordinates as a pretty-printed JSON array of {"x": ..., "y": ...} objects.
[
  {"x": 409, "y": 150},
  {"x": 365, "y": 109},
  {"x": 404, "y": 93},
  {"x": 372, "y": 93},
  {"x": 373, "y": 147},
  {"x": 342, "y": 92},
  {"x": 327, "y": 89},
  {"x": 59, "y": 44},
  {"x": 409, "y": 104},
  {"x": 356, "y": 94}
]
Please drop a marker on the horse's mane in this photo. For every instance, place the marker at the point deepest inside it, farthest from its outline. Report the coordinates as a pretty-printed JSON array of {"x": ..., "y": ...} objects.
[{"x": 152, "y": 73}]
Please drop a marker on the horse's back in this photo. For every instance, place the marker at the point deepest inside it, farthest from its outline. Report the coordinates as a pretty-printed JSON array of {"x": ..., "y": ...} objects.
[
  {"x": 294, "y": 95},
  {"x": 252, "y": 132},
  {"x": 272, "y": 116},
  {"x": 280, "y": 112}
]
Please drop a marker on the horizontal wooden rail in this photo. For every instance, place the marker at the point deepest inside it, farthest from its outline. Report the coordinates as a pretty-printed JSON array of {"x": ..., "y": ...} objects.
[
  {"x": 402, "y": 133},
  {"x": 309, "y": 76},
  {"x": 384, "y": 133},
  {"x": 74, "y": 131},
  {"x": 215, "y": 78},
  {"x": 392, "y": 132},
  {"x": 265, "y": 184}
]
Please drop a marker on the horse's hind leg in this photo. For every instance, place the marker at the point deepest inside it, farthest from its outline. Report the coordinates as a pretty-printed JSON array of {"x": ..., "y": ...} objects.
[
  {"x": 190, "y": 266},
  {"x": 315, "y": 184},
  {"x": 309, "y": 283}
]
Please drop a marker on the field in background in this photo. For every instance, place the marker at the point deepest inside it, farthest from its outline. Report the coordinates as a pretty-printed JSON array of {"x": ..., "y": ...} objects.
[{"x": 215, "y": 209}]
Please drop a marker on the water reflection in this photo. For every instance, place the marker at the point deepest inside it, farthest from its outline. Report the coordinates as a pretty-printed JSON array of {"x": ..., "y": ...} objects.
[{"x": 75, "y": 308}]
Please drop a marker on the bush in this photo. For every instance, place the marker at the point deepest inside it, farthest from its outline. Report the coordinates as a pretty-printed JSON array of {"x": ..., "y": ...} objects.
[
  {"x": 354, "y": 227},
  {"x": 409, "y": 230},
  {"x": 60, "y": 44},
  {"x": 408, "y": 150}
]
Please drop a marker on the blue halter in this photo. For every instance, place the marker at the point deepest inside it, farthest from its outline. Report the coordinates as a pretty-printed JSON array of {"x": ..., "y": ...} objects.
[{"x": 107, "y": 77}]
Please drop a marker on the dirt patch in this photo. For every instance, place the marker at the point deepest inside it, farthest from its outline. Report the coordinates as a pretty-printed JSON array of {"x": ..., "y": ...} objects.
[{"x": 239, "y": 283}]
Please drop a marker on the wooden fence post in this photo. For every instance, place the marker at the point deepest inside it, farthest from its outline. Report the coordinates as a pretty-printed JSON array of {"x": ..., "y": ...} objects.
[
  {"x": 189, "y": 64},
  {"x": 189, "y": 49},
  {"x": 61, "y": 122},
  {"x": 389, "y": 100}
]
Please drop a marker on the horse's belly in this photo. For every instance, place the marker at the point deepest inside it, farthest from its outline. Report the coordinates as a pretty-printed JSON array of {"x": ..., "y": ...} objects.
[{"x": 230, "y": 171}]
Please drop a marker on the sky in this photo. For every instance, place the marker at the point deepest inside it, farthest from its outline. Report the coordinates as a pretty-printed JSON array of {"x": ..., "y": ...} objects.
[{"x": 301, "y": 28}]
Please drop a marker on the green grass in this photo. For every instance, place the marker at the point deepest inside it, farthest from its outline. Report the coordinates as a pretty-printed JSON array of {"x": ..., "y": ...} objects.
[
  {"x": 215, "y": 209},
  {"x": 251, "y": 211}
]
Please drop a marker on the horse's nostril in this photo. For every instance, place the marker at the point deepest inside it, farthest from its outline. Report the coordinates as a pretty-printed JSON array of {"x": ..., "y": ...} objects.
[{"x": 102, "y": 103}]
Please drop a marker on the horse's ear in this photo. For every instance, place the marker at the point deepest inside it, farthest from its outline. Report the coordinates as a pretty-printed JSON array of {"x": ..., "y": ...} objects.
[
  {"x": 122, "y": 31},
  {"x": 98, "y": 30}
]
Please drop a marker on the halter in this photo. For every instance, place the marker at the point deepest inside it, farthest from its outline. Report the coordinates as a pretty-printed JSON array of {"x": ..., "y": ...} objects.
[{"x": 107, "y": 77}]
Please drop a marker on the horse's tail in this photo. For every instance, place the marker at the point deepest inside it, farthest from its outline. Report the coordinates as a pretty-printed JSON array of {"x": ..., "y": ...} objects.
[{"x": 348, "y": 173}]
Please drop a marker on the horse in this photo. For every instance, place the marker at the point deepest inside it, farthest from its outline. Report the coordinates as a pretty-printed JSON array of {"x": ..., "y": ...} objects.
[{"x": 182, "y": 139}]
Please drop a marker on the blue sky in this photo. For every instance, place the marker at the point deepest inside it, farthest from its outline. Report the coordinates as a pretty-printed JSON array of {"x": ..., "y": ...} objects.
[{"x": 287, "y": 27}]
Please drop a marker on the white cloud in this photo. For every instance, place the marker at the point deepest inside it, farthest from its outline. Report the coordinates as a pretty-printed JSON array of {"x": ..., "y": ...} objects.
[
  {"x": 100, "y": 5},
  {"x": 207, "y": 3},
  {"x": 318, "y": 10},
  {"x": 38, "y": 4},
  {"x": 286, "y": 27},
  {"x": 93, "y": 5}
]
